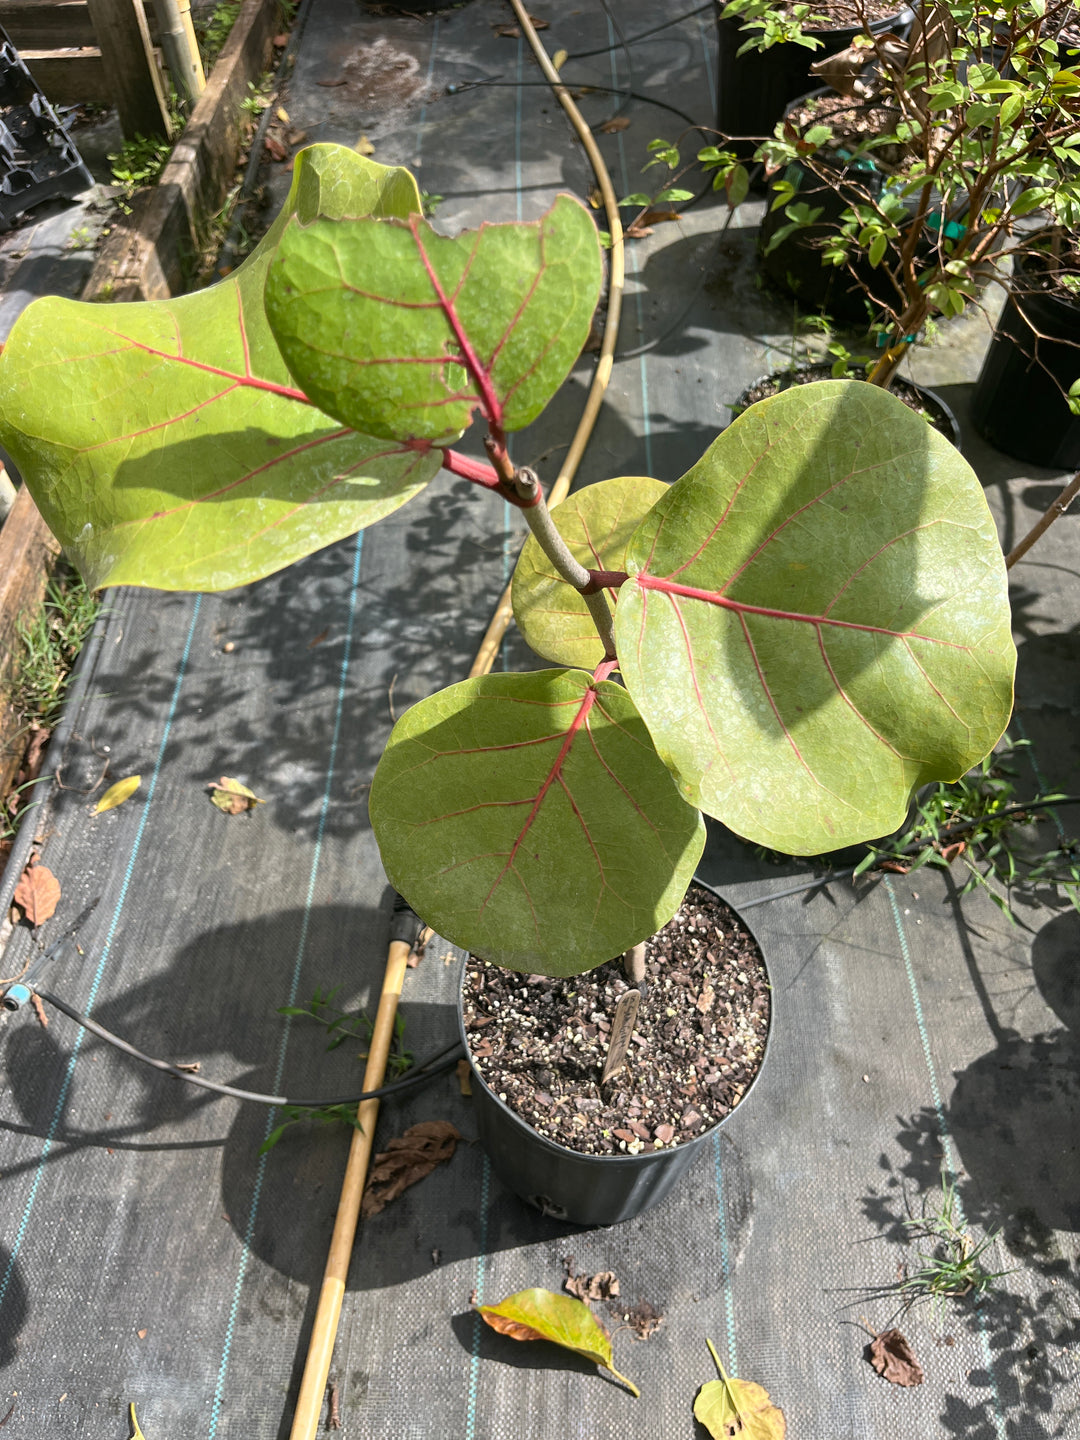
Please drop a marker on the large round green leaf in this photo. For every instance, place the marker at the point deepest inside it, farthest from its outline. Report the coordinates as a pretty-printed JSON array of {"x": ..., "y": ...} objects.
[
  {"x": 817, "y": 619},
  {"x": 529, "y": 819},
  {"x": 597, "y": 524},
  {"x": 166, "y": 443},
  {"x": 404, "y": 333}
]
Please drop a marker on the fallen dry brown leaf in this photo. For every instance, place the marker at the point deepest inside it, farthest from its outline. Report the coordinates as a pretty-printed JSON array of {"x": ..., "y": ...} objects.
[
  {"x": 407, "y": 1159},
  {"x": 38, "y": 893},
  {"x": 893, "y": 1358},
  {"x": 601, "y": 1286},
  {"x": 616, "y": 123}
]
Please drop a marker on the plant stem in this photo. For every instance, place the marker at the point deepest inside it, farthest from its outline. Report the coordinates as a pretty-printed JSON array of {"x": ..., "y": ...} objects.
[
  {"x": 558, "y": 552},
  {"x": 474, "y": 470},
  {"x": 1060, "y": 505}
]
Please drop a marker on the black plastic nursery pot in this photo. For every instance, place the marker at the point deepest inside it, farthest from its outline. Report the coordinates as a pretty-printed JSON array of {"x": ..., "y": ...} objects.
[
  {"x": 795, "y": 263},
  {"x": 937, "y": 413},
  {"x": 1019, "y": 403},
  {"x": 587, "y": 1189},
  {"x": 754, "y": 89}
]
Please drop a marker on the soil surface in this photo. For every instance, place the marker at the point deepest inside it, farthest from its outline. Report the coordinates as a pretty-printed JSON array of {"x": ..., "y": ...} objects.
[
  {"x": 852, "y": 123},
  {"x": 850, "y": 14},
  {"x": 540, "y": 1043},
  {"x": 915, "y": 399},
  {"x": 1048, "y": 275}
]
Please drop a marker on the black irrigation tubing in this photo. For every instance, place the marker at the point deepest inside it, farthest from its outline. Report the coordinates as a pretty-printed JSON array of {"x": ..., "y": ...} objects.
[
  {"x": 442, "y": 1060},
  {"x": 497, "y": 83},
  {"x": 641, "y": 35},
  {"x": 419, "y": 1074}
]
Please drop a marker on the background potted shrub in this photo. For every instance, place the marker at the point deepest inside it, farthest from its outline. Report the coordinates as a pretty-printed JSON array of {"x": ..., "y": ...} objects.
[
  {"x": 986, "y": 133},
  {"x": 766, "y": 51},
  {"x": 977, "y": 130},
  {"x": 808, "y": 625}
]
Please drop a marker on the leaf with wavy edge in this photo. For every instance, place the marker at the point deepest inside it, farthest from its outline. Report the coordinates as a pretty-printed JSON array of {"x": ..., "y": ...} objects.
[
  {"x": 405, "y": 332},
  {"x": 545, "y": 1315},
  {"x": 166, "y": 444},
  {"x": 817, "y": 619},
  {"x": 597, "y": 524},
  {"x": 529, "y": 819}
]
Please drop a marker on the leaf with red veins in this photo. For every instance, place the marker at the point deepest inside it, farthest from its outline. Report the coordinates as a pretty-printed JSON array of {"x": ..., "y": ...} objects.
[
  {"x": 597, "y": 524},
  {"x": 405, "y": 333},
  {"x": 166, "y": 443},
  {"x": 529, "y": 819},
  {"x": 816, "y": 621}
]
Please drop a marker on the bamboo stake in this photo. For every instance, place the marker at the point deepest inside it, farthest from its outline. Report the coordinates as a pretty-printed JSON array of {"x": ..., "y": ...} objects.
[
  {"x": 504, "y": 611},
  {"x": 324, "y": 1332}
]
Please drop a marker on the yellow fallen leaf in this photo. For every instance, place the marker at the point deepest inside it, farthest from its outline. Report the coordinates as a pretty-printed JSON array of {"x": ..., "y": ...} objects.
[
  {"x": 282, "y": 114},
  {"x": 731, "y": 1408},
  {"x": 232, "y": 797},
  {"x": 117, "y": 794},
  {"x": 364, "y": 146},
  {"x": 559, "y": 59},
  {"x": 136, "y": 1433}
]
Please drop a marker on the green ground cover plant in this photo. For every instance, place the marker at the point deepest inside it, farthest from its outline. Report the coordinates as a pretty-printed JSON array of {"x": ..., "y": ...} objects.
[{"x": 807, "y": 627}]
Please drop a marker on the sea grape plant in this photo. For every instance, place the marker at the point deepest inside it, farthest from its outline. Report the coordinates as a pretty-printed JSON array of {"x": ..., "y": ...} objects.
[{"x": 808, "y": 625}]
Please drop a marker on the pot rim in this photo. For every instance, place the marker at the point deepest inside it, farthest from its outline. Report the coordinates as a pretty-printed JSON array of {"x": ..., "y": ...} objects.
[
  {"x": 902, "y": 15},
  {"x": 644, "y": 1156},
  {"x": 743, "y": 404}
]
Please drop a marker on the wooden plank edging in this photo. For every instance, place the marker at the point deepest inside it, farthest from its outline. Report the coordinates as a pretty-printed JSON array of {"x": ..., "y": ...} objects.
[
  {"x": 28, "y": 554},
  {"x": 143, "y": 258}
]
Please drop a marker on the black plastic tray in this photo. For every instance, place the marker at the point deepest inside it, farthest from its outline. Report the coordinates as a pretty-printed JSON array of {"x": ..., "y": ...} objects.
[{"x": 38, "y": 161}]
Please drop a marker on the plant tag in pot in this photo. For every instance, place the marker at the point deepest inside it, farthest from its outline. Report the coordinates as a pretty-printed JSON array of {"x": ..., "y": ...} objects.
[{"x": 622, "y": 1027}]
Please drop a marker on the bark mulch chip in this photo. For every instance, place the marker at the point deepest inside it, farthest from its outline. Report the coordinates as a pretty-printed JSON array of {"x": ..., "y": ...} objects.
[{"x": 540, "y": 1043}]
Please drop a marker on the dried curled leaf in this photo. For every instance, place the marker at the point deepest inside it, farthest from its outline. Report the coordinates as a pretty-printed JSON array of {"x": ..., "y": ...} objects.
[
  {"x": 728, "y": 1408},
  {"x": 544, "y": 1315},
  {"x": 117, "y": 794},
  {"x": 407, "y": 1159},
  {"x": 892, "y": 1357},
  {"x": 232, "y": 797},
  {"x": 38, "y": 893},
  {"x": 601, "y": 1286}
]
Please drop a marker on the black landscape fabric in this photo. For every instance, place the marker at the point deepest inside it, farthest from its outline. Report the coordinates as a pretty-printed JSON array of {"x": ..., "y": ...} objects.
[{"x": 150, "y": 1255}]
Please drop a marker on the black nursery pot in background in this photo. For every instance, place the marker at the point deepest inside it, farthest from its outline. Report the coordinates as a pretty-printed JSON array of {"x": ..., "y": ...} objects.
[
  {"x": 754, "y": 89},
  {"x": 585, "y": 1189},
  {"x": 795, "y": 263},
  {"x": 1019, "y": 403}
]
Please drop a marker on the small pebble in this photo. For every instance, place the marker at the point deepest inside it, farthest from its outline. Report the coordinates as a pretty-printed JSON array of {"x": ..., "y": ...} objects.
[
  {"x": 866, "y": 1079},
  {"x": 228, "y": 647}
]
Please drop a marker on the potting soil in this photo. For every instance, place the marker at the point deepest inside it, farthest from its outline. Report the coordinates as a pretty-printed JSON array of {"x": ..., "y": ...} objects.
[{"x": 152, "y": 1255}]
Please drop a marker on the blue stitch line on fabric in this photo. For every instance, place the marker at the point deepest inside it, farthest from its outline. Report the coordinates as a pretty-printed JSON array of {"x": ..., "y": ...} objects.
[
  {"x": 256, "y": 1194},
  {"x": 998, "y": 1412},
  {"x": 61, "y": 1101}
]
